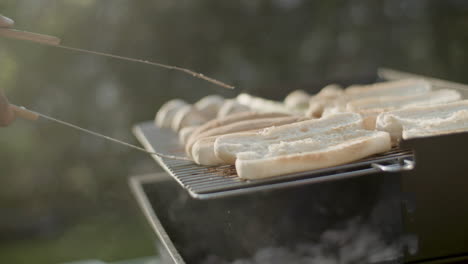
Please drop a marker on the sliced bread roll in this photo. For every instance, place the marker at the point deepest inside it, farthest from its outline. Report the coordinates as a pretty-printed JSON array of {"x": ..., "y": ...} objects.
[
  {"x": 231, "y": 107},
  {"x": 186, "y": 116},
  {"x": 166, "y": 113},
  {"x": 336, "y": 99},
  {"x": 424, "y": 120},
  {"x": 456, "y": 123},
  {"x": 406, "y": 87},
  {"x": 185, "y": 133},
  {"x": 227, "y": 147},
  {"x": 218, "y": 122},
  {"x": 315, "y": 109},
  {"x": 331, "y": 91},
  {"x": 371, "y": 107},
  {"x": 298, "y": 99},
  {"x": 246, "y": 125},
  {"x": 318, "y": 152},
  {"x": 263, "y": 105},
  {"x": 209, "y": 105},
  {"x": 203, "y": 153},
  {"x": 334, "y": 107},
  {"x": 325, "y": 98}
]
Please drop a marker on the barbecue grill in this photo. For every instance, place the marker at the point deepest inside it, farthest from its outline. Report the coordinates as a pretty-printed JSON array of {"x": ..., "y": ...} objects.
[{"x": 406, "y": 205}]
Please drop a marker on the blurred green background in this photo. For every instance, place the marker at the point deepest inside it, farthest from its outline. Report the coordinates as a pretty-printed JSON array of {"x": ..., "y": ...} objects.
[{"x": 64, "y": 195}]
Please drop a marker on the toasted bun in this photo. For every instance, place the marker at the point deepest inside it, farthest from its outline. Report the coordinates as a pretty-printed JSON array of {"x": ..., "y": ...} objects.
[
  {"x": 297, "y": 99},
  {"x": 371, "y": 107},
  {"x": 231, "y": 107},
  {"x": 212, "y": 124},
  {"x": 456, "y": 123},
  {"x": 331, "y": 91},
  {"x": 325, "y": 98},
  {"x": 187, "y": 116},
  {"x": 263, "y": 105},
  {"x": 424, "y": 120},
  {"x": 310, "y": 154},
  {"x": 227, "y": 147},
  {"x": 166, "y": 113},
  {"x": 406, "y": 87},
  {"x": 203, "y": 153},
  {"x": 240, "y": 126},
  {"x": 185, "y": 133},
  {"x": 209, "y": 105}
]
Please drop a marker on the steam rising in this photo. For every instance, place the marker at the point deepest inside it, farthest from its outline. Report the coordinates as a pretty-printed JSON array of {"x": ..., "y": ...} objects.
[{"x": 355, "y": 243}]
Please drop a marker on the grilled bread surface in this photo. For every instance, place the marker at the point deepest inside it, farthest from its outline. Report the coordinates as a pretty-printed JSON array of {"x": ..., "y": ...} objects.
[{"x": 266, "y": 138}]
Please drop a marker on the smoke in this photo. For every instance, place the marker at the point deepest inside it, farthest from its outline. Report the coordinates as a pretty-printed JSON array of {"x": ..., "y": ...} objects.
[
  {"x": 351, "y": 222},
  {"x": 354, "y": 243},
  {"x": 370, "y": 234}
]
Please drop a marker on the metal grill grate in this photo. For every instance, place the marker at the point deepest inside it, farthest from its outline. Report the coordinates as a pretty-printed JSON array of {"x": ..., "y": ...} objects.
[{"x": 205, "y": 182}]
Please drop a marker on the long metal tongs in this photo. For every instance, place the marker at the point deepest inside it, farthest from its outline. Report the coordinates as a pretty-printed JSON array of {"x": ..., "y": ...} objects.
[
  {"x": 56, "y": 42},
  {"x": 32, "y": 115}
]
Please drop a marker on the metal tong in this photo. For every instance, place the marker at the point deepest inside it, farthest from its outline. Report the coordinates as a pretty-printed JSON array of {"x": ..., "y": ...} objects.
[
  {"x": 56, "y": 42},
  {"x": 33, "y": 116}
]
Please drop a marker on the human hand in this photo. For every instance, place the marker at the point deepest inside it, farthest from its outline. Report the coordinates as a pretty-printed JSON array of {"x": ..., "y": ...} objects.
[
  {"x": 6, "y": 22},
  {"x": 7, "y": 114}
]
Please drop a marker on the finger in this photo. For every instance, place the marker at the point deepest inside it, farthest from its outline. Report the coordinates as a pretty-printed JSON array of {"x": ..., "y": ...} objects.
[
  {"x": 6, "y": 22},
  {"x": 7, "y": 115}
]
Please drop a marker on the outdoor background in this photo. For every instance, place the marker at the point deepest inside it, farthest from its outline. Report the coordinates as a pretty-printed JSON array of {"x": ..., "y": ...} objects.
[{"x": 64, "y": 196}]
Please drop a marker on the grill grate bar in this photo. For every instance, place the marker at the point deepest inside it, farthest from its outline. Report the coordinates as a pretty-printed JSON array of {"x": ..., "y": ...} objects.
[
  {"x": 206, "y": 182},
  {"x": 211, "y": 180}
]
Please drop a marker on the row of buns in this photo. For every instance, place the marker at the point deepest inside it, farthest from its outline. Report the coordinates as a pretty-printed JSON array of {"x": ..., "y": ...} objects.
[{"x": 265, "y": 138}]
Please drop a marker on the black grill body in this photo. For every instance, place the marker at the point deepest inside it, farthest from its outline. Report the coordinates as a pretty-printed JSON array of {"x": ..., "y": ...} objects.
[
  {"x": 414, "y": 216},
  {"x": 436, "y": 196},
  {"x": 423, "y": 212},
  {"x": 237, "y": 227}
]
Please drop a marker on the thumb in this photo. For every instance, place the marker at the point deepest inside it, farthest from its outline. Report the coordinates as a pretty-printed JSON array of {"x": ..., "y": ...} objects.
[{"x": 6, "y": 22}]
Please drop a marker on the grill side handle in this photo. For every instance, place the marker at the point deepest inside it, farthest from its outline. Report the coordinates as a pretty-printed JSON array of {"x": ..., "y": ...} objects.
[{"x": 405, "y": 164}]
